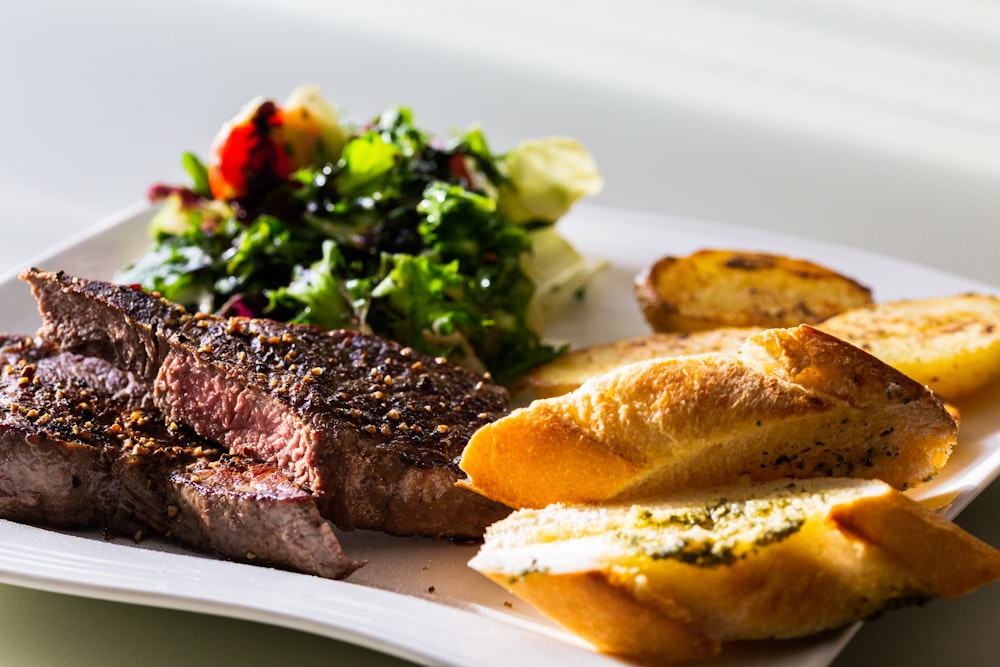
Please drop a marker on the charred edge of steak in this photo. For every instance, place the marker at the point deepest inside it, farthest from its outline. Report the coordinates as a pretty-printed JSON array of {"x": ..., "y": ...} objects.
[
  {"x": 76, "y": 450},
  {"x": 120, "y": 323},
  {"x": 374, "y": 429},
  {"x": 267, "y": 518}
]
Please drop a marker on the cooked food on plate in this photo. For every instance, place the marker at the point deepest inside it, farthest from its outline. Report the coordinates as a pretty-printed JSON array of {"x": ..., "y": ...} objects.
[
  {"x": 370, "y": 427},
  {"x": 732, "y": 288},
  {"x": 790, "y": 403},
  {"x": 322, "y": 335},
  {"x": 951, "y": 343},
  {"x": 570, "y": 370},
  {"x": 675, "y": 578},
  {"x": 82, "y": 446}
]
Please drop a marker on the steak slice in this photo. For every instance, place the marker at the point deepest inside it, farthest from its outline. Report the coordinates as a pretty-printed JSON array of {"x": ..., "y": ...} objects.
[
  {"x": 373, "y": 429},
  {"x": 119, "y": 323},
  {"x": 251, "y": 512},
  {"x": 81, "y": 448}
]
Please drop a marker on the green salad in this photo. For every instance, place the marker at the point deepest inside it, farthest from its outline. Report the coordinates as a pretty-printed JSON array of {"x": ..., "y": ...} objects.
[{"x": 439, "y": 244}]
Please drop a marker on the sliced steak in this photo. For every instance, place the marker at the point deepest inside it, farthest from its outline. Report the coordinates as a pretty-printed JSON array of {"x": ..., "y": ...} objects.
[
  {"x": 80, "y": 447},
  {"x": 119, "y": 323},
  {"x": 250, "y": 511},
  {"x": 373, "y": 429}
]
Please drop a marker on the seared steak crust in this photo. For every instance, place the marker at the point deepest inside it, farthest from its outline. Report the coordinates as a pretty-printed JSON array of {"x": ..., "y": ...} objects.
[
  {"x": 252, "y": 512},
  {"x": 81, "y": 447},
  {"x": 120, "y": 323},
  {"x": 373, "y": 429}
]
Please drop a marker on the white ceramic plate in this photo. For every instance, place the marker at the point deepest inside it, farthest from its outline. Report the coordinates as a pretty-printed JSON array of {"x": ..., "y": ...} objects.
[{"x": 417, "y": 599}]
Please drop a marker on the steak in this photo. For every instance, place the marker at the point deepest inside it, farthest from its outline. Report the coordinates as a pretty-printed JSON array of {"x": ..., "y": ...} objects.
[
  {"x": 251, "y": 512},
  {"x": 374, "y": 429},
  {"x": 81, "y": 447},
  {"x": 121, "y": 324}
]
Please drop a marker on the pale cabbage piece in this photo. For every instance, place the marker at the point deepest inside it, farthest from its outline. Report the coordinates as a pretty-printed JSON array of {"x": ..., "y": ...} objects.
[
  {"x": 545, "y": 178},
  {"x": 559, "y": 272}
]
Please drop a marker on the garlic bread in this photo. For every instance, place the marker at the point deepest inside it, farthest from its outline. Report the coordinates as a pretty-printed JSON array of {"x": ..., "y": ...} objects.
[
  {"x": 575, "y": 367},
  {"x": 951, "y": 344},
  {"x": 676, "y": 578},
  {"x": 791, "y": 403}
]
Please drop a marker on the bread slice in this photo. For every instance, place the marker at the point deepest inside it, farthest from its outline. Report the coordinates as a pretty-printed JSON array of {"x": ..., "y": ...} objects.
[
  {"x": 791, "y": 403},
  {"x": 674, "y": 579},
  {"x": 568, "y": 371}
]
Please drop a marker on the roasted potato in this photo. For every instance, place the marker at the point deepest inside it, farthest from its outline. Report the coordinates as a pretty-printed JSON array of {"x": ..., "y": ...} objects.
[
  {"x": 951, "y": 344},
  {"x": 577, "y": 366},
  {"x": 729, "y": 288}
]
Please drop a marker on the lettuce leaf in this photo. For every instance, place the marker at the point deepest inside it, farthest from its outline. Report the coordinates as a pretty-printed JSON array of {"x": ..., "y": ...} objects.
[{"x": 404, "y": 235}]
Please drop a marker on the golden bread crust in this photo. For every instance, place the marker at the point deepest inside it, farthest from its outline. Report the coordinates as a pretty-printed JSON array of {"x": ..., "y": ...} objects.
[
  {"x": 951, "y": 344},
  {"x": 594, "y": 606},
  {"x": 945, "y": 560},
  {"x": 575, "y": 367},
  {"x": 792, "y": 403},
  {"x": 776, "y": 560}
]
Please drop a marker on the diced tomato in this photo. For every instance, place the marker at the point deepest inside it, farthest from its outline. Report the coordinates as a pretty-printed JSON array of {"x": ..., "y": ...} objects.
[
  {"x": 264, "y": 143},
  {"x": 459, "y": 169},
  {"x": 251, "y": 151}
]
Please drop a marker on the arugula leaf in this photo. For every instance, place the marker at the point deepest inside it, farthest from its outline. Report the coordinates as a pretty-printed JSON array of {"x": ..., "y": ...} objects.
[
  {"x": 421, "y": 302},
  {"x": 318, "y": 293},
  {"x": 198, "y": 173},
  {"x": 458, "y": 224},
  {"x": 364, "y": 164},
  {"x": 404, "y": 235}
]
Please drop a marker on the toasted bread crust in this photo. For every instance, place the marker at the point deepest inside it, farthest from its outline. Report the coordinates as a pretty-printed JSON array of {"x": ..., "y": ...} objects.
[
  {"x": 951, "y": 344},
  {"x": 842, "y": 550},
  {"x": 792, "y": 403},
  {"x": 594, "y": 605},
  {"x": 572, "y": 369},
  {"x": 945, "y": 560}
]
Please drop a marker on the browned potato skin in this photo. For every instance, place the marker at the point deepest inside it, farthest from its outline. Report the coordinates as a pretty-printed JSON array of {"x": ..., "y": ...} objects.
[{"x": 710, "y": 289}]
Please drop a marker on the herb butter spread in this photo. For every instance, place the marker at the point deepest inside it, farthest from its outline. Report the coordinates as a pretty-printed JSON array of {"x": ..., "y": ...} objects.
[{"x": 704, "y": 530}]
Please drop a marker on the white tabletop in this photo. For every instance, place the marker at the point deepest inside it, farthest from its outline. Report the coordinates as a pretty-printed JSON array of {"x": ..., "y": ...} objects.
[{"x": 875, "y": 125}]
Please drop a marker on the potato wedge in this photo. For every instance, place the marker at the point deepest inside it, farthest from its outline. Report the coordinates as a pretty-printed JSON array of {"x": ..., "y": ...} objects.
[
  {"x": 950, "y": 344},
  {"x": 572, "y": 369},
  {"x": 729, "y": 288}
]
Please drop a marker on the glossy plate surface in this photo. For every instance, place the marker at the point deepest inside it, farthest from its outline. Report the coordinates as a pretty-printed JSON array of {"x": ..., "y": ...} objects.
[{"x": 417, "y": 599}]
